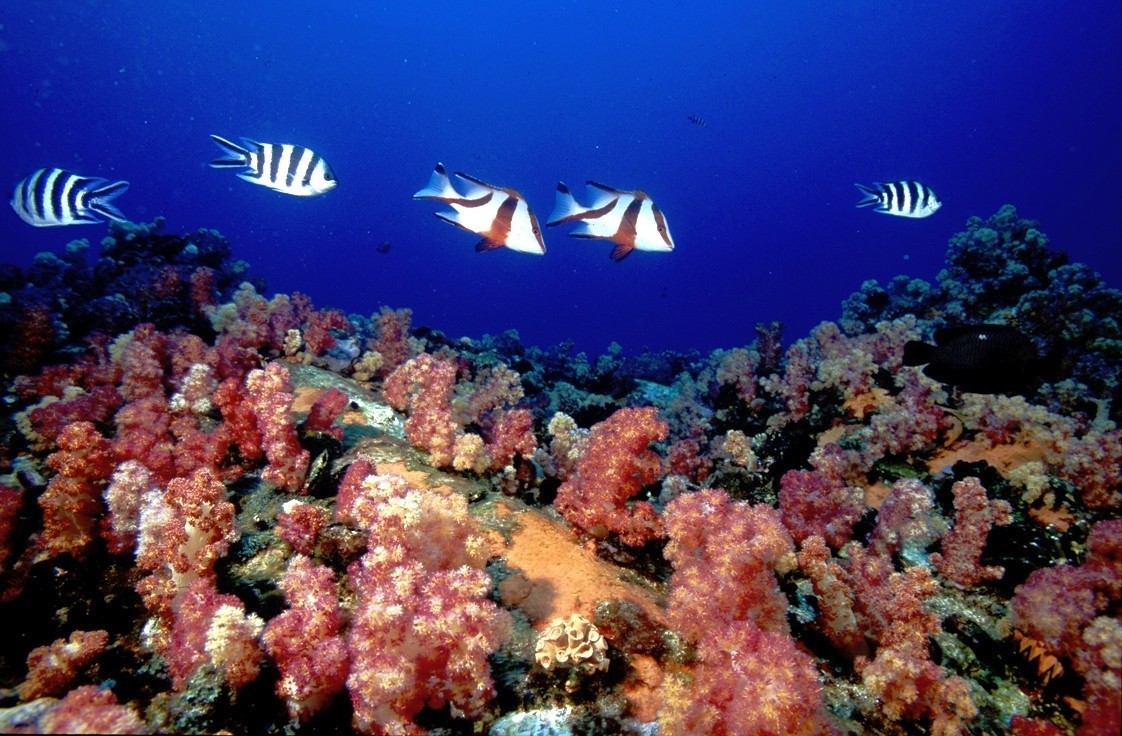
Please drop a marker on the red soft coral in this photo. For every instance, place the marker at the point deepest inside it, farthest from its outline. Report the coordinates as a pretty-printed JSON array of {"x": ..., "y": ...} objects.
[
  {"x": 962, "y": 548},
  {"x": 305, "y": 642},
  {"x": 72, "y": 502},
  {"x": 270, "y": 395},
  {"x": 725, "y": 554},
  {"x": 748, "y": 682},
  {"x": 423, "y": 628},
  {"x": 811, "y": 503},
  {"x": 424, "y": 387},
  {"x": 613, "y": 468}
]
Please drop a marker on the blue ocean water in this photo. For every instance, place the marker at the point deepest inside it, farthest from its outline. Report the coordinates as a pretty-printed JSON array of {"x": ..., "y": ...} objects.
[{"x": 989, "y": 103}]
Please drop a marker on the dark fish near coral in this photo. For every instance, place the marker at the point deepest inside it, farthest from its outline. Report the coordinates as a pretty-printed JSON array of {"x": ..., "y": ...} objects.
[
  {"x": 981, "y": 359},
  {"x": 283, "y": 167},
  {"x": 901, "y": 198},
  {"x": 697, "y": 120},
  {"x": 54, "y": 197}
]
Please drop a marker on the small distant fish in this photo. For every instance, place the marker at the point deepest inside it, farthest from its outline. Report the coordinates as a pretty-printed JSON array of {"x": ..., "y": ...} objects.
[
  {"x": 696, "y": 120},
  {"x": 630, "y": 219},
  {"x": 283, "y": 167},
  {"x": 901, "y": 198},
  {"x": 384, "y": 246},
  {"x": 981, "y": 359},
  {"x": 499, "y": 214},
  {"x": 54, "y": 197}
]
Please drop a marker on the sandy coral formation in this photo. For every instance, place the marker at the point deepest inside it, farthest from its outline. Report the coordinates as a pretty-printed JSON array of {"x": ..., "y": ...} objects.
[{"x": 571, "y": 643}]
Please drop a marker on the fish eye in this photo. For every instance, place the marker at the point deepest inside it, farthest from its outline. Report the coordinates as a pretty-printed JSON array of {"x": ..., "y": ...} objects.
[{"x": 329, "y": 176}]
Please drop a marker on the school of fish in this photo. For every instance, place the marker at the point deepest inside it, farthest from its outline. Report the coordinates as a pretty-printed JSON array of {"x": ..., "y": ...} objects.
[
  {"x": 501, "y": 216},
  {"x": 974, "y": 358}
]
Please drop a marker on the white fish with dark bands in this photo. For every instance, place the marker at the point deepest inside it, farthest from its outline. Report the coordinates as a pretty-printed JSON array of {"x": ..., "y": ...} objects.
[
  {"x": 499, "y": 214},
  {"x": 55, "y": 197},
  {"x": 630, "y": 219},
  {"x": 900, "y": 198},
  {"x": 283, "y": 167}
]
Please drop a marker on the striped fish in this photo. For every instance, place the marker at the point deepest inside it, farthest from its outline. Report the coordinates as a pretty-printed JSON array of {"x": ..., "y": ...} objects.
[
  {"x": 499, "y": 214},
  {"x": 53, "y": 197},
  {"x": 284, "y": 167},
  {"x": 630, "y": 219},
  {"x": 900, "y": 198}
]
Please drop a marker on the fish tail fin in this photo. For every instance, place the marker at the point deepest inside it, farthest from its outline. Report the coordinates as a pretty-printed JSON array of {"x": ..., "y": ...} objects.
[
  {"x": 100, "y": 199},
  {"x": 566, "y": 207},
  {"x": 871, "y": 195},
  {"x": 918, "y": 353},
  {"x": 439, "y": 186},
  {"x": 235, "y": 156}
]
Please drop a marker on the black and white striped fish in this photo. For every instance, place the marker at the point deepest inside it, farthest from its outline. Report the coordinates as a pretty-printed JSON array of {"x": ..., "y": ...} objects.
[
  {"x": 54, "y": 197},
  {"x": 284, "y": 167},
  {"x": 900, "y": 198}
]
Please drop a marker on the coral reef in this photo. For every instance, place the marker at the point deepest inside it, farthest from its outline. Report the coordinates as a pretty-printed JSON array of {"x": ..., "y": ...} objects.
[{"x": 226, "y": 511}]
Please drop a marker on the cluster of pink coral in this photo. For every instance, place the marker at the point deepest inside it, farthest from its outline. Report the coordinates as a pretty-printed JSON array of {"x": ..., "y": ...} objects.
[
  {"x": 865, "y": 603},
  {"x": 1073, "y": 612},
  {"x": 304, "y": 641},
  {"x": 270, "y": 393},
  {"x": 615, "y": 465},
  {"x": 71, "y": 504},
  {"x": 300, "y": 523},
  {"x": 713, "y": 541},
  {"x": 424, "y": 627},
  {"x": 438, "y": 408},
  {"x": 424, "y": 386},
  {"x": 284, "y": 325},
  {"x": 392, "y": 340},
  {"x": 141, "y": 439},
  {"x": 750, "y": 677},
  {"x": 213, "y": 628},
  {"x": 962, "y": 546},
  {"x": 51, "y": 670},
  {"x": 327, "y": 408},
  {"x": 811, "y": 503},
  {"x": 90, "y": 709}
]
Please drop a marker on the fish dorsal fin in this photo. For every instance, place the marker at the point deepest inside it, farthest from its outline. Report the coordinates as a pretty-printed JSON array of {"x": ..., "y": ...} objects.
[
  {"x": 476, "y": 188},
  {"x": 602, "y": 195},
  {"x": 605, "y": 188}
]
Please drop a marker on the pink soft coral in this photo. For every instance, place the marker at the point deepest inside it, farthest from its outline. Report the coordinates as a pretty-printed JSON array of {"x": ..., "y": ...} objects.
[{"x": 613, "y": 468}]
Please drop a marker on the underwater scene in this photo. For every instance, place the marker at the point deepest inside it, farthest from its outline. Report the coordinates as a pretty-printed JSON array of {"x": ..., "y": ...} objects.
[{"x": 526, "y": 369}]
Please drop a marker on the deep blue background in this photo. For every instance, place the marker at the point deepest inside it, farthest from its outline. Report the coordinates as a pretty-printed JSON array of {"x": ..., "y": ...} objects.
[{"x": 988, "y": 102}]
